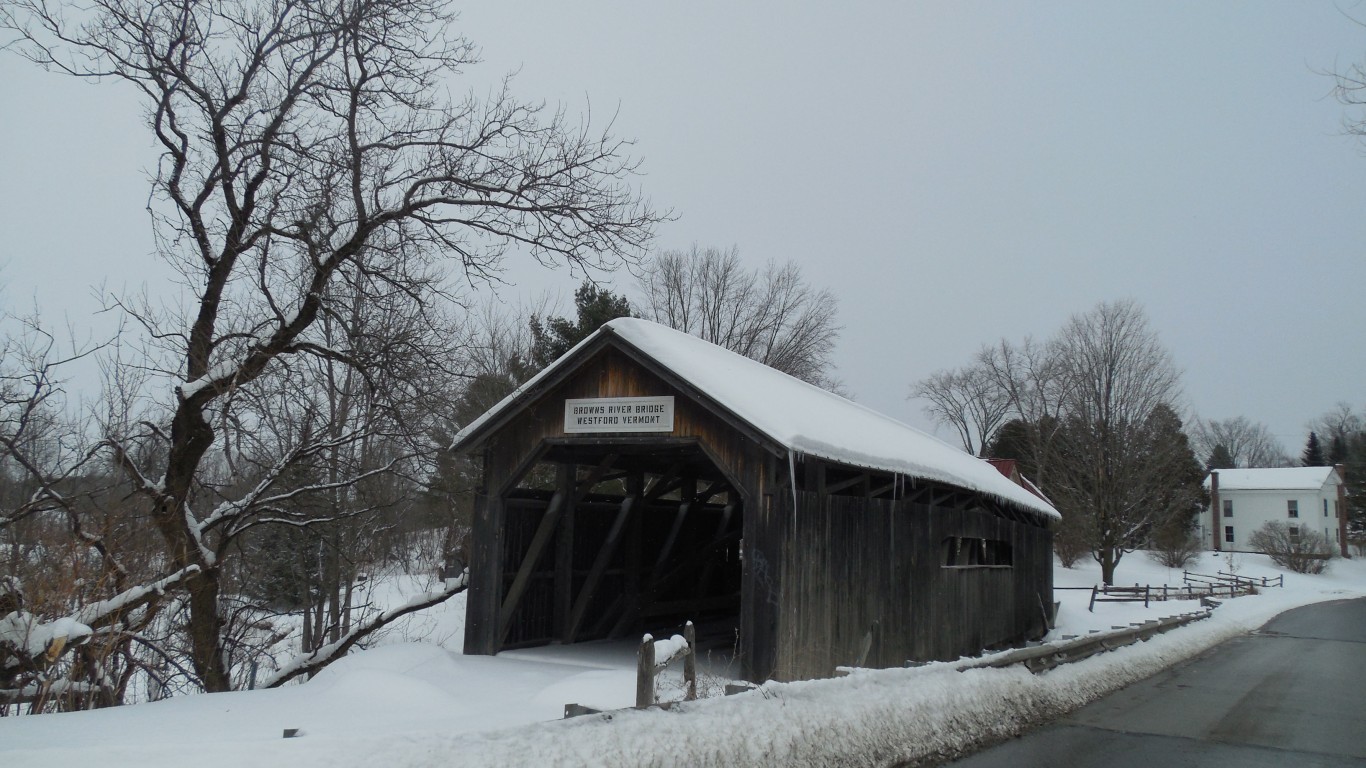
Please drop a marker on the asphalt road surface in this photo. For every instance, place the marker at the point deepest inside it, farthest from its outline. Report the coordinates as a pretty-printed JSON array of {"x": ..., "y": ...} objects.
[{"x": 1291, "y": 694}]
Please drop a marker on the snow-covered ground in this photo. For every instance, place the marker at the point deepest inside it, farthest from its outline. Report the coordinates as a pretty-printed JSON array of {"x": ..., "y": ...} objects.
[{"x": 418, "y": 704}]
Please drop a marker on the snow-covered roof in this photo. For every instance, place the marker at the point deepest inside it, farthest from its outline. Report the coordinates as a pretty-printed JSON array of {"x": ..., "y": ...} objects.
[
  {"x": 1273, "y": 479},
  {"x": 802, "y": 418}
]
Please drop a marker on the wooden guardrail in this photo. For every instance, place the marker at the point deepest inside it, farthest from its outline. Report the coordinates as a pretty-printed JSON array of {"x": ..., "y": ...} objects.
[
  {"x": 1041, "y": 658},
  {"x": 1036, "y": 658}
]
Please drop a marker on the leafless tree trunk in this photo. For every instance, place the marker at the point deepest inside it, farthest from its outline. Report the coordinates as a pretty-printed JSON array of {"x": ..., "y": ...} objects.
[
  {"x": 304, "y": 146},
  {"x": 769, "y": 315}
]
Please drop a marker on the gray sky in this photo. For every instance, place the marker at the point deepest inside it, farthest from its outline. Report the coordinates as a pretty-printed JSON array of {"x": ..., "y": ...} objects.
[{"x": 953, "y": 172}]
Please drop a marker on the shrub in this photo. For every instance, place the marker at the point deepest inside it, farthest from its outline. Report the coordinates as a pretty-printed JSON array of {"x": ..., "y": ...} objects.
[
  {"x": 1070, "y": 542},
  {"x": 1302, "y": 550},
  {"x": 1174, "y": 546}
]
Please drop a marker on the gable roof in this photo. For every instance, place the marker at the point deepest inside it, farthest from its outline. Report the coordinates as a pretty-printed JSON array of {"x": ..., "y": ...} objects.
[
  {"x": 1010, "y": 468},
  {"x": 1273, "y": 478},
  {"x": 794, "y": 415}
]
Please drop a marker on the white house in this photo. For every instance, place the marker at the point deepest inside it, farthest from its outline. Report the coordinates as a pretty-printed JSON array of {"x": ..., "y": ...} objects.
[{"x": 1243, "y": 500}]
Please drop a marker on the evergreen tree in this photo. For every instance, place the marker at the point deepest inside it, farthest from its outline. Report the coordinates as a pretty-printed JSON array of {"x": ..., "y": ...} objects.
[
  {"x": 1017, "y": 439},
  {"x": 1011, "y": 442},
  {"x": 1181, "y": 496},
  {"x": 1337, "y": 450},
  {"x": 1220, "y": 458},
  {"x": 1313, "y": 452},
  {"x": 1355, "y": 469},
  {"x": 554, "y": 336}
]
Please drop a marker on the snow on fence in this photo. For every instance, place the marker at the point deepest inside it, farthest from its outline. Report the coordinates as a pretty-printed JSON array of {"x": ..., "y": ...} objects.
[
  {"x": 1197, "y": 586},
  {"x": 1264, "y": 581},
  {"x": 656, "y": 655},
  {"x": 1037, "y": 657},
  {"x": 1107, "y": 593},
  {"x": 1227, "y": 584}
]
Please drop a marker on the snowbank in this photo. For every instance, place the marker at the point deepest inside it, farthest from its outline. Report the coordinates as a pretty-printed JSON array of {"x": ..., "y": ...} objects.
[{"x": 418, "y": 705}]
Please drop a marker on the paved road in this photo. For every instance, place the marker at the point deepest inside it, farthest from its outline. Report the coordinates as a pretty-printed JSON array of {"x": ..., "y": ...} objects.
[{"x": 1291, "y": 694}]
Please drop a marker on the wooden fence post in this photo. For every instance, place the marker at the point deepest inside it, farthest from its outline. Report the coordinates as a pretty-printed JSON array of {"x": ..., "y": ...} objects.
[
  {"x": 690, "y": 662},
  {"x": 645, "y": 673}
]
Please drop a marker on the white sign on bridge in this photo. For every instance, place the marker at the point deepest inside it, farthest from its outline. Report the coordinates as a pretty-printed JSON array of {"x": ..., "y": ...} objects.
[{"x": 619, "y": 414}]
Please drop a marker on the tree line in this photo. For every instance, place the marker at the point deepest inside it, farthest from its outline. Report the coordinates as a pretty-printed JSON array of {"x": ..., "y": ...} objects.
[
  {"x": 270, "y": 429},
  {"x": 1092, "y": 415}
]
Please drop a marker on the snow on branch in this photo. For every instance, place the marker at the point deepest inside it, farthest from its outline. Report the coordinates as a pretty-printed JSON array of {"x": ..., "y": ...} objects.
[
  {"x": 312, "y": 662},
  {"x": 97, "y": 613},
  {"x": 55, "y": 688},
  {"x": 259, "y": 499},
  {"x": 27, "y": 637}
]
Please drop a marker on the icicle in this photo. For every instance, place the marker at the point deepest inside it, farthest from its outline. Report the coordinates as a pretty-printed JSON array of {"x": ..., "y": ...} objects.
[{"x": 792, "y": 477}]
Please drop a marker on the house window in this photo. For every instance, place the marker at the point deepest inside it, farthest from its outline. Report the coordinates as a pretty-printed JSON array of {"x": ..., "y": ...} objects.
[
  {"x": 1292, "y": 508},
  {"x": 1228, "y": 507},
  {"x": 1228, "y": 534},
  {"x": 1325, "y": 507},
  {"x": 1294, "y": 532}
]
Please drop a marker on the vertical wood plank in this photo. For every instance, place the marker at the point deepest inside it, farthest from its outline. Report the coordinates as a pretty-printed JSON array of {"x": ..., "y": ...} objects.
[{"x": 645, "y": 673}]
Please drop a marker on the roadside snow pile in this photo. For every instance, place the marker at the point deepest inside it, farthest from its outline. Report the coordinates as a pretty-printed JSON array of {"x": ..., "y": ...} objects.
[{"x": 417, "y": 705}]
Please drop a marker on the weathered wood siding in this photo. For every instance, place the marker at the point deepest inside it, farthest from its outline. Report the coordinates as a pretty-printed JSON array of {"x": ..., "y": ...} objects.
[
  {"x": 612, "y": 373},
  {"x": 502, "y": 527},
  {"x": 864, "y": 583},
  {"x": 826, "y": 579}
]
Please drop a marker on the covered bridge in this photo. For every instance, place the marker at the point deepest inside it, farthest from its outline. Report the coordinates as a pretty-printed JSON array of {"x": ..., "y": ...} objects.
[{"x": 648, "y": 477}]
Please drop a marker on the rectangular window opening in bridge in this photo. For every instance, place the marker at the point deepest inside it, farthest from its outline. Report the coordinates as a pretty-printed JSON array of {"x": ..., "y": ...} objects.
[{"x": 969, "y": 552}]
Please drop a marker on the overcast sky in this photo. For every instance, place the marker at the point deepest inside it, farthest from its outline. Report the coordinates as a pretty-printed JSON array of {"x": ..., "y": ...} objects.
[{"x": 954, "y": 172}]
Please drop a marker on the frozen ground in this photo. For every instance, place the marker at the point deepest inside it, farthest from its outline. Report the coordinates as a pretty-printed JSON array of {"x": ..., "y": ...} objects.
[{"x": 417, "y": 704}]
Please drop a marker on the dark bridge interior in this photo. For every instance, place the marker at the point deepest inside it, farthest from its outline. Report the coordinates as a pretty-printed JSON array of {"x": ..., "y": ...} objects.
[{"x": 604, "y": 539}]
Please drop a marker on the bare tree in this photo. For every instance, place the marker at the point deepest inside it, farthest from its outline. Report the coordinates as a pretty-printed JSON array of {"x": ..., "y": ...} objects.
[
  {"x": 1340, "y": 421},
  {"x": 770, "y": 315},
  {"x": 1029, "y": 376},
  {"x": 1300, "y": 548},
  {"x": 968, "y": 400},
  {"x": 1090, "y": 414},
  {"x": 1116, "y": 454},
  {"x": 375, "y": 417},
  {"x": 1338, "y": 429},
  {"x": 77, "y": 591},
  {"x": 304, "y": 145},
  {"x": 1248, "y": 444}
]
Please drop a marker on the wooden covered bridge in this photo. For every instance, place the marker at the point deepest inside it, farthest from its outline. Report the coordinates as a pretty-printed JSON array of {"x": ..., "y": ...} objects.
[{"x": 648, "y": 477}]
